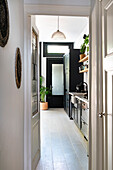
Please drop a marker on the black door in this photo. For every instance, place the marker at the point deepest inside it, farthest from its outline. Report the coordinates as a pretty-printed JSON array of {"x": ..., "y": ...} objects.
[
  {"x": 66, "y": 79},
  {"x": 53, "y": 80}
]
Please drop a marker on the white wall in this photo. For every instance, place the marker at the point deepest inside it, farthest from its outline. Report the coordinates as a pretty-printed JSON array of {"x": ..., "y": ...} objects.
[
  {"x": 33, "y": 24},
  {"x": 80, "y": 39},
  {"x": 11, "y": 98},
  {"x": 59, "y": 2},
  {"x": 71, "y": 26}
]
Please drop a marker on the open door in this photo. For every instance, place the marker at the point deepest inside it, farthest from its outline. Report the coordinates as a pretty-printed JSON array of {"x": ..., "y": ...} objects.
[
  {"x": 107, "y": 32},
  {"x": 106, "y": 84},
  {"x": 35, "y": 109},
  {"x": 31, "y": 95}
]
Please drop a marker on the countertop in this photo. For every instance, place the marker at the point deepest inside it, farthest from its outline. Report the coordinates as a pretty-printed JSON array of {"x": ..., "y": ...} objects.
[{"x": 79, "y": 96}]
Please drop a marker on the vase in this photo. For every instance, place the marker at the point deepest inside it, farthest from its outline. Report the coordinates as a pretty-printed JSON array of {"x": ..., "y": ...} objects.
[
  {"x": 82, "y": 56},
  {"x": 43, "y": 105}
]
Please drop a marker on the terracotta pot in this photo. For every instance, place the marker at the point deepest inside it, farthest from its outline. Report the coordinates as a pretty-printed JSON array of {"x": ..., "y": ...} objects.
[
  {"x": 82, "y": 56},
  {"x": 43, "y": 105}
]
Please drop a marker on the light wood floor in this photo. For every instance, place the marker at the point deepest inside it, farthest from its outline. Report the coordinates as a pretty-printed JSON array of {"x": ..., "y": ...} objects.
[{"x": 62, "y": 145}]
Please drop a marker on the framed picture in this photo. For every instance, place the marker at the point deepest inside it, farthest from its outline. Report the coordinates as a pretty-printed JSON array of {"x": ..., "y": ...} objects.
[
  {"x": 4, "y": 22},
  {"x": 18, "y": 68}
]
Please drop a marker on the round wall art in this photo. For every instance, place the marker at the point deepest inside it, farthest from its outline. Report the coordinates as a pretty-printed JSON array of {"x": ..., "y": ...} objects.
[
  {"x": 18, "y": 68},
  {"x": 4, "y": 22}
]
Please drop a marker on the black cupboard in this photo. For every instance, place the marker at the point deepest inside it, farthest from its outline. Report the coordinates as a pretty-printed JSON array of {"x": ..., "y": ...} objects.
[{"x": 72, "y": 77}]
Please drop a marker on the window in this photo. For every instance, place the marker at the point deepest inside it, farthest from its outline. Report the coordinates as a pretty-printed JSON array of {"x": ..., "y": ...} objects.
[
  {"x": 56, "y": 49},
  {"x": 57, "y": 79}
]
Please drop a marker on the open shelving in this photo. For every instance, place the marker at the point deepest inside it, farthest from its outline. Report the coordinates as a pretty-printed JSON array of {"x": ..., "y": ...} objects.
[
  {"x": 83, "y": 71},
  {"x": 83, "y": 60}
]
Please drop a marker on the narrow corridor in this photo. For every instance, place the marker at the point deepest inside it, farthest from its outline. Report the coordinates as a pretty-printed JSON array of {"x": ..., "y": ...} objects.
[{"x": 62, "y": 145}]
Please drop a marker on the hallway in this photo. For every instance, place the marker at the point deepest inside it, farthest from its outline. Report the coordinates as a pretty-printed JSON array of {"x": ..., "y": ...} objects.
[{"x": 62, "y": 145}]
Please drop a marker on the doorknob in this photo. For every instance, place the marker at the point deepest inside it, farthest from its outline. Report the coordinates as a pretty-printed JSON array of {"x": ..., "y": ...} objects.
[
  {"x": 101, "y": 114},
  {"x": 51, "y": 87}
]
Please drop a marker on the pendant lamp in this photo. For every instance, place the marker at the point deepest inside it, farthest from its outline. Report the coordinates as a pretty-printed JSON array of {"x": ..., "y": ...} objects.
[{"x": 58, "y": 35}]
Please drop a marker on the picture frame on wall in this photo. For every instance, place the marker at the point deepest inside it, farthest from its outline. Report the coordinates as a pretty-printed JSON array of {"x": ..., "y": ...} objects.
[
  {"x": 4, "y": 23},
  {"x": 18, "y": 68}
]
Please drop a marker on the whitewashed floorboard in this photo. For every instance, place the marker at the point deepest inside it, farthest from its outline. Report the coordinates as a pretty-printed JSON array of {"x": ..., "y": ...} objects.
[{"x": 62, "y": 145}]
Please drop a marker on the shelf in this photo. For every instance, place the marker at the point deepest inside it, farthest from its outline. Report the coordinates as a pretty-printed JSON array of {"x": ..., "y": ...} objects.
[
  {"x": 84, "y": 59},
  {"x": 83, "y": 71}
]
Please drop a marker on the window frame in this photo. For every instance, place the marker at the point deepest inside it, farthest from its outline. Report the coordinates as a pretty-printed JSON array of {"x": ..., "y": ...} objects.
[{"x": 45, "y": 45}]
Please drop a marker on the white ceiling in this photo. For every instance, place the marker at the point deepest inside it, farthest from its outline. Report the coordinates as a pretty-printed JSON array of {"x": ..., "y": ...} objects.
[
  {"x": 59, "y": 2},
  {"x": 72, "y": 27}
]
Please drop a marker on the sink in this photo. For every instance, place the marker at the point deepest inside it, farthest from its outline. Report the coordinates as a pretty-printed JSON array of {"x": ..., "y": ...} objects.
[{"x": 73, "y": 94}]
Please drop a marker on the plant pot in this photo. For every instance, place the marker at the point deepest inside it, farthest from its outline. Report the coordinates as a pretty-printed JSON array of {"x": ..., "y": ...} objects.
[
  {"x": 43, "y": 105},
  {"x": 82, "y": 56}
]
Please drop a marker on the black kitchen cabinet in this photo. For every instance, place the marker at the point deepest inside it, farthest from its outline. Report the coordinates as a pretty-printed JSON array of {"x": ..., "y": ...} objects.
[
  {"x": 80, "y": 115},
  {"x": 85, "y": 120},
  {"x": 71, "y": 76},
  {"x": 77, "y": 113}
]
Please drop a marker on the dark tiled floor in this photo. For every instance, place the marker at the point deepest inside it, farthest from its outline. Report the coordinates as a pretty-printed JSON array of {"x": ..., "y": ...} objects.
[{"x": 62, "y": 145}]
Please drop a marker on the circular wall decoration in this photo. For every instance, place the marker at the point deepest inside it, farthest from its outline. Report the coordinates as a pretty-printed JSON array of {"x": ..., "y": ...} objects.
[
  {"x": 4, "y": 22},
  {"x": 18, "y": 68}
]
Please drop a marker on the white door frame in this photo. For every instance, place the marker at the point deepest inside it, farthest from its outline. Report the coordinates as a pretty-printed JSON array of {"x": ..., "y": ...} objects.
[
  {"x": 96, "y": 70},
  {"x": 27, "y": 93},
  {"x": 41, "y": 10}
]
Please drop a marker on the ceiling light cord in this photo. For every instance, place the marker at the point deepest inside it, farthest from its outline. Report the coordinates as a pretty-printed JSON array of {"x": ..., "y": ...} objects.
[{"x": 58, "y": 23}]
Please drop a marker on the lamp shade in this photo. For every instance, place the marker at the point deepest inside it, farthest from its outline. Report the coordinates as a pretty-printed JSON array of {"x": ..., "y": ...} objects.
[{"x": 58, "y": 35}]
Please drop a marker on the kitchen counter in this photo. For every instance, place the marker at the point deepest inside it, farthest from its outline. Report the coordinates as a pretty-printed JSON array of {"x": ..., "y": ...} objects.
[
  {"x": 79, "y": 109},
  {"x": 79, "y": 96}
]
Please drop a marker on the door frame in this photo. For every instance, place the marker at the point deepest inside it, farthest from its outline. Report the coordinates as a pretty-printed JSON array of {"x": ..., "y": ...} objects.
[
  {"x": 96, "y": 106},
  {"x": 102, "y": 162},
  {"x": 83, "y": 11},
  {"x": 27, "y": 92},
  {"x": 54, "y": 61}
]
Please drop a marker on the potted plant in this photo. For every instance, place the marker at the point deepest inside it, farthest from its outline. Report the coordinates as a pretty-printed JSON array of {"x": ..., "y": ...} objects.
[
  {"x": 43, "y": 92},
  {"x": 86, "y": 41},
  {"x": 84, "y": 46},
  {"x": 82, "y": 51}
]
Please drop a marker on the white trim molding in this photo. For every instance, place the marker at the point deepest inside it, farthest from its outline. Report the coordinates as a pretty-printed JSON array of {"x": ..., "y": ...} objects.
[{"x": 57, "y": 10}]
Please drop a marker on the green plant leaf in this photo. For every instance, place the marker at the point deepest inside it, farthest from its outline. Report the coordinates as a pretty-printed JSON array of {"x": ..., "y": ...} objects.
[
  {"x": 85, "y": 44},
  {"x": 43, "y": 90},
  {"x": 83, "y": 48}
]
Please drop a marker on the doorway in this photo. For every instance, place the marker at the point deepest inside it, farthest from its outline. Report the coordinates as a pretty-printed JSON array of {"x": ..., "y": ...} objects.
[
  {"x": 55, "y": 61},
  {"x": 55, "y": 80},
  {"x": 55, "y": 72}
]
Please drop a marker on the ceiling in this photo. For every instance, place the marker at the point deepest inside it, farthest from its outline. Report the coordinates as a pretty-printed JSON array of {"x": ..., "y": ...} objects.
[
  {"x": 72, "y": 27},
  {"x": 59, "y": 2}
]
